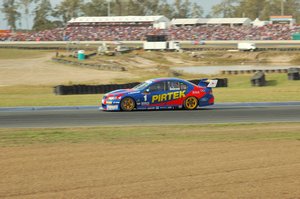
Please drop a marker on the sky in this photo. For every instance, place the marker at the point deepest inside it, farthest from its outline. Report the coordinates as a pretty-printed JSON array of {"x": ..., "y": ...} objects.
[{"x": 206, "y": 5}]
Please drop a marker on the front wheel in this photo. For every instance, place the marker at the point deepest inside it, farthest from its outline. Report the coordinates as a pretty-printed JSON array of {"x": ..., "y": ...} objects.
[
  {"x": 191, "y": 103},
  {"x": 127, "y": 104}
]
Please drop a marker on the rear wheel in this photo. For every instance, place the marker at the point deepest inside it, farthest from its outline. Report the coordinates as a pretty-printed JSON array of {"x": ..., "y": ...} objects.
[
  {"x": 191, "y": 103},
  {"x": 127, "y": 104}
]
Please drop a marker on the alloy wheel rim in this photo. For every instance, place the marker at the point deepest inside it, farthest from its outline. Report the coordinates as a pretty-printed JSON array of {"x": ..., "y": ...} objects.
[
  {"x": 191, "y": 103},
  {"x": 128, "y": 104}
]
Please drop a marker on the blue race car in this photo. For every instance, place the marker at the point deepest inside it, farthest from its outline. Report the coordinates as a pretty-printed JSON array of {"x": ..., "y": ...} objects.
[{"x": 161, "y": 93}]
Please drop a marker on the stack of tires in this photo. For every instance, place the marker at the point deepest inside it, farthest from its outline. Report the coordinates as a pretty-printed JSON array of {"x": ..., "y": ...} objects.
[
  {"x": 90, "y": 89},
  {"x": 293, "y": 74},
  {"x": 258, "y": 79}
]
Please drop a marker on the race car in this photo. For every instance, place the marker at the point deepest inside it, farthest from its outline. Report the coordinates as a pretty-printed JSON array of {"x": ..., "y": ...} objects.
[{"x": 161, "y": 93}]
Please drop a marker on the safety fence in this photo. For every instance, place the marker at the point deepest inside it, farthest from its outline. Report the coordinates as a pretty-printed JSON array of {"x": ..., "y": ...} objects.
[{"x": 99, "y": 89}]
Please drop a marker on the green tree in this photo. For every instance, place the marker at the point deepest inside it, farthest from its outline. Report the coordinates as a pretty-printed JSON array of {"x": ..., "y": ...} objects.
[
  {"x": 165, "y": 9},
  {"x": 10, "y": 10},
  {"x": 288, "y": 7},
  {"x": 25, "y": 4},
  {"x": 151, "y": 7},
  {"x": 196, "y": 11},
  {"x": 263, "y": 9},
  {"x": 95, "y": 8},
  {"x": 227, "y": 8},
  {"x": 185, "y": 9},
  {"x": 251, "y": 8},
  {"x": 133, "y": 7},
  {"x": 119, "y": 7},
  {"x": 182, "y": 9},
  {"x": 68, "y": 9},
  {"x": 42, "y": 12}
]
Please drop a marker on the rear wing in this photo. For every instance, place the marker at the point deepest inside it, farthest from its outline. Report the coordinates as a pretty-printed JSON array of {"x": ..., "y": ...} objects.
[{"x": 210, "y": 83}]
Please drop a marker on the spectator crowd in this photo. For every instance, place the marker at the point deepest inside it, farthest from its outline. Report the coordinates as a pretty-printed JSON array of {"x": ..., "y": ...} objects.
[{"x": 137, "y": 33}]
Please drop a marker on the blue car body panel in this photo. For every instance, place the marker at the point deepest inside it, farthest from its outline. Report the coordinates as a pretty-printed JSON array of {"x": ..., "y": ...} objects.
[{"x": 164, "y": 98}]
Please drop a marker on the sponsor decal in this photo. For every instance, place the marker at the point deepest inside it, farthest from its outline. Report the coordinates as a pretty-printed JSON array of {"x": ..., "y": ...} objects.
[
  {"x": 167, "y": 96},
  {"x": 145, "y": 103},
  {"x": 135, "y": 92},
  {"x": 111, "y": 107}
]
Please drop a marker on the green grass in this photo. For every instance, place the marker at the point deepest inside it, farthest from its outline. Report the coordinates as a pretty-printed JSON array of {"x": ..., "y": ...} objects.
[
  {"x": 278, "y": 88},
  {"x": 239, "y": 90},
  {"x": 153, "y": 134},
  {"x": 42, "y": 96}
]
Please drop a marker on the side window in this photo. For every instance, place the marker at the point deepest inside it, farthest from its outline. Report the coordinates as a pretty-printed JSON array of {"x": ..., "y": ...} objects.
[
  {"x": 183, "y": 86},
  {"x": 173, "y": 85},
  {"x": 176, "y": 86},
  {"x": 160, "y": 86}
]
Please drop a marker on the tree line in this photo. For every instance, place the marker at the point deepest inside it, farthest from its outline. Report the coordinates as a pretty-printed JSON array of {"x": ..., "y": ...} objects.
[{"x": 46, "y": 16}]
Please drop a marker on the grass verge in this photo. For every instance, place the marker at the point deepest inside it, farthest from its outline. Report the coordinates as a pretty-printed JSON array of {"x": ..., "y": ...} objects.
[
  {"x": 153, "y": 134},
  {"x": 42, "y": 96},
  {"x": 239, "y": 90}
]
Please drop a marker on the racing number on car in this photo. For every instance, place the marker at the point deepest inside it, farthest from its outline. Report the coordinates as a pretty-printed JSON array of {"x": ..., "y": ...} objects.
[{"x": 145, "y": 98}]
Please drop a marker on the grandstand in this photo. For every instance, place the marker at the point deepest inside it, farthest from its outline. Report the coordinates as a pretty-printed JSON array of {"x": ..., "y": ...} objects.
[
  {"x": 212, "y": 21},
  {"x": 136, "y": 28}
]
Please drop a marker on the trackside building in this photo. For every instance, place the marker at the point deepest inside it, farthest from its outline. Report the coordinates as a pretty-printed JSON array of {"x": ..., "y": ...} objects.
[{"x": 159, "y": 22}]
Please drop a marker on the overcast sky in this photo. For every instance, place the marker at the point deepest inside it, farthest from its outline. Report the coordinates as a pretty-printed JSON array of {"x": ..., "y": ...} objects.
[{"x": 206, "y": 4}]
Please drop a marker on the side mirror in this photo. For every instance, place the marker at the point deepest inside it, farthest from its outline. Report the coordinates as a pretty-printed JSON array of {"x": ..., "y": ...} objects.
[{"x": 147, "y": 90}]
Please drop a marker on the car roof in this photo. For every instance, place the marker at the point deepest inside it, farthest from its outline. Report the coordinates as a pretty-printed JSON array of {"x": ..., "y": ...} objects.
[{"x": 166, "y": 79}]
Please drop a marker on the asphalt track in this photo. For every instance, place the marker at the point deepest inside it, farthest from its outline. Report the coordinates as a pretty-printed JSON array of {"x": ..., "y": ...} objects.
[{"x": 54, "y": 117}]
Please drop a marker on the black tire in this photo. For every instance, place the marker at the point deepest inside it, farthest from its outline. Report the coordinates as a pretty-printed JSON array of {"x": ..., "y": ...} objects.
[{"x": 127, "y": 104}]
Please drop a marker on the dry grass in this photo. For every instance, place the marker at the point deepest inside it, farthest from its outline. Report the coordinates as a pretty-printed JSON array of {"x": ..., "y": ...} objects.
[
  {"x": 140, "y": 134},
  {"x": 22, "y": 54},
  {"x": 213, "y": 161}
]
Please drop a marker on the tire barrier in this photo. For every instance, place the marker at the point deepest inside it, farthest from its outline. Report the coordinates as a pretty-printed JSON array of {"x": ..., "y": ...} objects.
[
  {"x": 90, "y": 89},
  {"x": 293, "y": 74},
  {"x": 258, "y": 79},
  {"x": 87, "y": 56},
  {"x": 94, "y": 66},
  {"x": 236, "y": 72},
  {"x": 100, "y": 89},
  {"x": 222, "y": 82}
]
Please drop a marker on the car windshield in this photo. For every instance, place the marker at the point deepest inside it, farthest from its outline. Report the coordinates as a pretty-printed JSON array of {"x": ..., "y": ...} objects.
[{"x": 142, "y": 85}]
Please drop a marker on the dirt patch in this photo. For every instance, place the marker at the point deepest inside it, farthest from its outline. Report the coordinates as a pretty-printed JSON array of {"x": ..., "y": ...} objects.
[
  {"x": 41, "y": 71},
  {"x": 238, "y": 169},
  {"x": 139, "y": 65}
]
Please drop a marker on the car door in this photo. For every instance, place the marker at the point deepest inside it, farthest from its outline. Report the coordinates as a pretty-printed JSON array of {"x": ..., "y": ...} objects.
[
  {"x": 176, "y": 92},
  {"x": 155, "y": 95}
]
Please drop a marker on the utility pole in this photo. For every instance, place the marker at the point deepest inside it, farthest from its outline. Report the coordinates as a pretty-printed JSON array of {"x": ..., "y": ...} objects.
[
  {"x": 282, "y": 7},
  {"x": 108, "y": 7}
]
